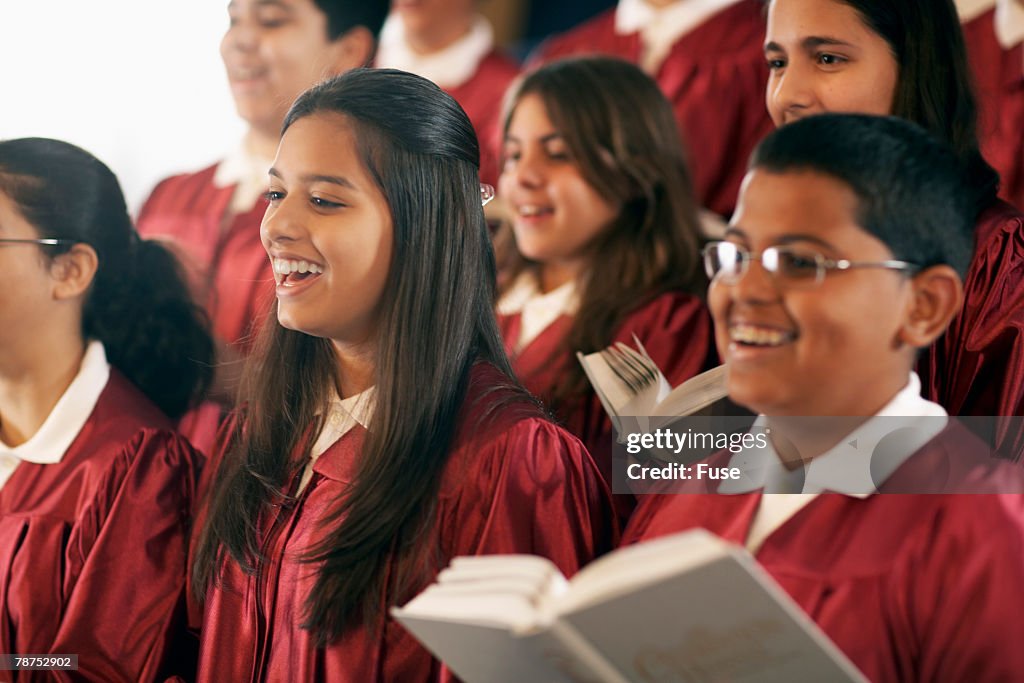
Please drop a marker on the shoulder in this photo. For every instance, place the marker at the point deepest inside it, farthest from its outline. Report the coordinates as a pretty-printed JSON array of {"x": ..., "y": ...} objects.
[
  {"x": 179, "y": 190},
  {"x": 666, "y": 313},
  {"x": 999, "y": 221},
  {"x": 590, "y": 37},
  {"x": 498, "y": 65}
]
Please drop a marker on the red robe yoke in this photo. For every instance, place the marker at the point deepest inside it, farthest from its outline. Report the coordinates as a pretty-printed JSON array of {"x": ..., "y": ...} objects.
[
  {"x": 999, "y": 83},
  {"x": 977, "y": 367},
  {"x": 911, "y": 587},
  {"x": 514, "y": 483},
  {"x": 715, "y": 77},
  {"x": 226, "y": 261},
  {"x": 93, "y": 548},
  {"x": 675, "y": 328},
  {"x": 481, "y": 97}
]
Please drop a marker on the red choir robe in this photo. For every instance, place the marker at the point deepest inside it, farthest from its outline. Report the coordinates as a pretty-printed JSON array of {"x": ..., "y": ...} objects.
[
  {"x": 481, "y": 97},
  {"x": 514, "y": 483},
  {"x": 715, "y": 77},
  {"x": 977, "y": 367},
  {"x": 999, "y": 84},
  {"x": 910, "y": 587},
  {"x": 674, "y": 327},
  {"x": 93, "y": 548},
  {"x": 226, "y": 261}
]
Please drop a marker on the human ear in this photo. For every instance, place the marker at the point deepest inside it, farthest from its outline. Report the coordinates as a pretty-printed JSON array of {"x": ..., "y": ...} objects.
[
  {"x": 352, "y": 50},
  {"x": 937, "y": 294},
  {"x": 74, "y": 271}
]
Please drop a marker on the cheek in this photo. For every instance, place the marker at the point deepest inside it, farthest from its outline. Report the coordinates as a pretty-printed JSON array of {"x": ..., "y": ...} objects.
[{"x": 771, "y": 101}]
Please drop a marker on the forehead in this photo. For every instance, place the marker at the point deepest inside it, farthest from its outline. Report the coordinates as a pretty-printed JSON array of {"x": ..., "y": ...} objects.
[
  {"x": 530, "y": 117},
  {"x": 791, "y": 21},
  {"x": 776, "y": 207},
  {"x": 318, "y": 143}
]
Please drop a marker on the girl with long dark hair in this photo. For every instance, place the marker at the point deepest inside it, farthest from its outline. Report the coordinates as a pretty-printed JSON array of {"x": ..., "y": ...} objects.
[
  {"x": 907, "y": 59},
  {"x": 604, "y": 242},
  {"x": 100, "y": 344},
  {"x": 381, "y": 432}
]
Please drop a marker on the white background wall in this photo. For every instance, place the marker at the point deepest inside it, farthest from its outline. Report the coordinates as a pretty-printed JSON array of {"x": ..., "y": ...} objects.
[{"x": 139, "y": 83}]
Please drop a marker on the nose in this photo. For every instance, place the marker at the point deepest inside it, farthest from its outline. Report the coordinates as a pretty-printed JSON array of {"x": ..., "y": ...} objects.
[
  {"x": 755, "y": 285},
  {"x": 528, "y": 171},
  {"x": 241, "y": 36},
  {"x": 789, "y": 94},
  {"x": 280, "y": 224}
]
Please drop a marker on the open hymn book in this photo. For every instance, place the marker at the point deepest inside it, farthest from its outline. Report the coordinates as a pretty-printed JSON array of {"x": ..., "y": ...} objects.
[
  {"x": 686, "y": 608},
  {"x": 632, "y": 387}
]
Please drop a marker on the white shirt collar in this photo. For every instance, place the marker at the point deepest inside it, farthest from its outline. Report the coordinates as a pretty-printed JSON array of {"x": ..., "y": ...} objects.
[
  {"x": 449, "y": 67},
  {"x": 537, "y": 310},
  {"x": 48, "y": 445},
  {"x": 342, "y": 415},
  {"x": 661, "y": 27},
  {"x": 1009, "y": 18},
  {"x": 247, "y": 172},
  {"x": 851, "y": 467}
]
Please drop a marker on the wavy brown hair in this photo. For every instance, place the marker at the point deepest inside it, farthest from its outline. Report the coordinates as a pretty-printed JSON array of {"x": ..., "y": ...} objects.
[
  {"x": 623, "y": 137},
  {"x": 436, "y": 321}
]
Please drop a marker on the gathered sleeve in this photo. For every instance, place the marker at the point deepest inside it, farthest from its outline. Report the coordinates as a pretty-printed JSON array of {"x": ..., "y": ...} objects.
[{"x": 125, "y": 562}]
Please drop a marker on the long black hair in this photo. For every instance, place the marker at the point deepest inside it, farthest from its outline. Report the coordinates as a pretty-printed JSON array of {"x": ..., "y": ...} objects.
[
  {"x": 436, "y": 320},
  {"x": 934, "y": 87},
  {"x": 138, "y": 305}
]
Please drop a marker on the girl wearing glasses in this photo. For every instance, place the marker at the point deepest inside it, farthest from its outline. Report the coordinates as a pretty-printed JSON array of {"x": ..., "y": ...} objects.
[
  {"x": 603, "y": 243},
  {"x": 100, "y": 344},
  {"x": 907, "y": 59},
  {"x": 382, "y": 432}
]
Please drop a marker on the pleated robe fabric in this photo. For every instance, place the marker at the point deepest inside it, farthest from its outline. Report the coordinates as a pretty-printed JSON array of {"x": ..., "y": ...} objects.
[
  {"x": 977, "y": 366},
  {"x": 514, "y": 483},
  {"x": 226, "y": 262},
  {"x": 912, "y": 587},
  {"x": 93, "y": 548},
  {"x": 714, "y": 76},
  {"x": 674, "y": 327}
]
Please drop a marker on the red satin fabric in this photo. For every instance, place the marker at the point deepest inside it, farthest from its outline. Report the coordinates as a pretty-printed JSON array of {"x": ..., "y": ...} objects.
[
  {"x": 675, "y": 328},
  {"x": 715, "y": 77},
  {"x": 226, "y": 262},
  {"x": 481, "y": 97},
  {"x": 910, "y": 587},
  {"x": 977, "y": 367},
  {"x": 93, "y": 549},
  {"x": 999, "y": 85},
  {"x": 514, "y": 483}
]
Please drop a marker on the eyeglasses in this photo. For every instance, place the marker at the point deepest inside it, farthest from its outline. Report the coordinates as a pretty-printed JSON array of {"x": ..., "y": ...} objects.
[
  {"x": 47, "y": 241},
  {"x": 789, "y": 266}
]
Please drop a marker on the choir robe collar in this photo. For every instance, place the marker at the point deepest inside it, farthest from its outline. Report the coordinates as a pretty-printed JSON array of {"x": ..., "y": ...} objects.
[
  {"x": 1008, "y": 18},
  {"x": 536, "y": 309},
  {"x": 247, "y": 172},
  {"x": 846, "y": 469},
  {"x": 339, "y": 437},
  {"x": 48, "y": 445},
  {"x": 661, "y": 27},
  {"x": 449, "y": 67}
]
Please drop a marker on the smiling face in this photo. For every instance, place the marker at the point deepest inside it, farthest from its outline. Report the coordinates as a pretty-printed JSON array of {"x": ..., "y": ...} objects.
[
  {"x": 557, "y": 214},
  {"x": 823, "y": 58},
  {"x": 273, "y": 50},
  {"x": 328, "y": 232},
  {"x": 833, "y": 349}
]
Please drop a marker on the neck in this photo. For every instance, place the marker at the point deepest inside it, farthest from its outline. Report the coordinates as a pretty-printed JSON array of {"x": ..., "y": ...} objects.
[
  {"x": 554, "y": 275},
  {"x": 447, "y": 34},
  {"x": 32, "y": 380},
  {"x": 262, "y": 143},
  {"x": 356, "y": 369}
]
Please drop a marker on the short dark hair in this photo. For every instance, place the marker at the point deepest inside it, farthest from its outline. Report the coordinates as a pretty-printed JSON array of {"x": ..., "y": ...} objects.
[
  {"x": 345, "y": 15},
  {"x": 911, "y": 190}
]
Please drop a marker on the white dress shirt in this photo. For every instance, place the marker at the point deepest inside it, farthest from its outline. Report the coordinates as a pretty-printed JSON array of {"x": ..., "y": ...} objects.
[
  {"x": 449, "y": 67},
  {"x": 247, "y": 172},
  {"x": 49, "y": 444},
  {"x": 342, "y": 416},
  {"x": 661, "y": 27},
  {"x": 851, "y": 467},
  {"x": 537, "y": 310}
]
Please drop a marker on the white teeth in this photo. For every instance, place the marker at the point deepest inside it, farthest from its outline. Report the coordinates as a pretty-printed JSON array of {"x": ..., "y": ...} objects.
[
  {"x": 531, "y": 210},
  {"x": 288, "y": 266},
  {"x": 758, "y": 336}
]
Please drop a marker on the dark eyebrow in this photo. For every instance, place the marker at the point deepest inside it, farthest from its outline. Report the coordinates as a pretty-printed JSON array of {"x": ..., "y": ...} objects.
[
  {"x": 544, "y": 140},
  {"x": 274, "y": 3},
  {"x": 810, "y": 43},
  {"x": 318, "y": 178},
  {"x": 736, "y": 231}
]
